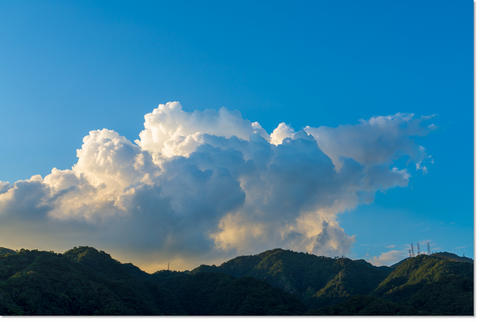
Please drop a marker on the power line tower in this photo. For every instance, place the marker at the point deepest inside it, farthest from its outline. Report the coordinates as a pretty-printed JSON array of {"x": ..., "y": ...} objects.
[
  {"x": 411, "y": 249},
  {"x": 418, "y": 248},
  {"x": 428, "y": 248}
]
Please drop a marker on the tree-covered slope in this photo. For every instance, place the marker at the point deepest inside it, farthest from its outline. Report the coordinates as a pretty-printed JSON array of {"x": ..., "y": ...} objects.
[
  {"x": 431, "y": 284},
  {"x": 306, "y": 275},
  {"x": 441, "y": 283},
  {"x": 438, "y": 284},
  {"x": 217, "y": 293},
  {"x": 6, "y": 251},
  {"x": 81, "y": 281},
  {"x": 84, "y": 281}
]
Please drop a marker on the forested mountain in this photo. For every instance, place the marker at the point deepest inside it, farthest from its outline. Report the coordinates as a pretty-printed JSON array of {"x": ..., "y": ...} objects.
[
  {"x": 307, "y": 276},
  {"x": 84, "y": 281}
]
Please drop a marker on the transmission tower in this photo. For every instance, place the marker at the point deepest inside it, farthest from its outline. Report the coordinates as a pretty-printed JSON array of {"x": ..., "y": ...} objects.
[
  {"x": 418, "y": 248},
  {"x": 411, "y": 249},
  {"x": 428, "y": 248}
]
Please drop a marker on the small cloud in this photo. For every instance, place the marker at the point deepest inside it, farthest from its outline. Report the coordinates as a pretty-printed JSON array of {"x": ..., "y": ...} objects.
[{"x": 388, "y": 258}]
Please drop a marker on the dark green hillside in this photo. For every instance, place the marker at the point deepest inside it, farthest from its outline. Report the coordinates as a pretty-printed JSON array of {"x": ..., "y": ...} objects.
[
  {"x": 6, "y": 251},
  {"x": 216, "y": 293},
  {"x": 431, "y": 285},
  {"x": 84, "y": 281},
  {"x": 364, "y": 305},
  {"x": 354, "y": 278},
  {"x": 305, "y": 275},
  {"x": 36, "y": 282},
  {"x": 297, "y": 273},
  {"x": 345, "y": 286}
]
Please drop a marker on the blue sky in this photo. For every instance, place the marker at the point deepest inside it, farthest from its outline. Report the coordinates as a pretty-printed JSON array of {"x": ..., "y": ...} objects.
[{"x": 71, "y": 67}]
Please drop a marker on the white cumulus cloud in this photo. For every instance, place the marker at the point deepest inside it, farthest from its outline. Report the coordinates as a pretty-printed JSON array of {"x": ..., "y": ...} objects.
[{"x": 210, "y": 184}]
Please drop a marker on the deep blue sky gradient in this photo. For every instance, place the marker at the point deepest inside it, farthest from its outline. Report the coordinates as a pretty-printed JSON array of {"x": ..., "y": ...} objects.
[{"x": 67, "y": 67}]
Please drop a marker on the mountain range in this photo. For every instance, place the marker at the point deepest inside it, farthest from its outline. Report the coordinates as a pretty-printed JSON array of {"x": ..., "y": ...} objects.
[{"x": 85, "y": 281}]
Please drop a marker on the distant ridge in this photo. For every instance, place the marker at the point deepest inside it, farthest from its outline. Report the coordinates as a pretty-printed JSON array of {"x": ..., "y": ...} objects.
[
  {"x": 6, "y": 251},
  {"x": 453, "y": 257},
  {"x": 85, "y": 281}
]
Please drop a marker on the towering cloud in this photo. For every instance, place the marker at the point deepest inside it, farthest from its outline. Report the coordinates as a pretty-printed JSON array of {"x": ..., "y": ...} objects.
[{"x": 211, "y": 184}]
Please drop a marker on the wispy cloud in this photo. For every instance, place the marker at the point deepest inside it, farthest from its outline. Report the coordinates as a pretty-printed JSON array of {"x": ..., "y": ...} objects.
[{"x": 388, "y": 258}]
